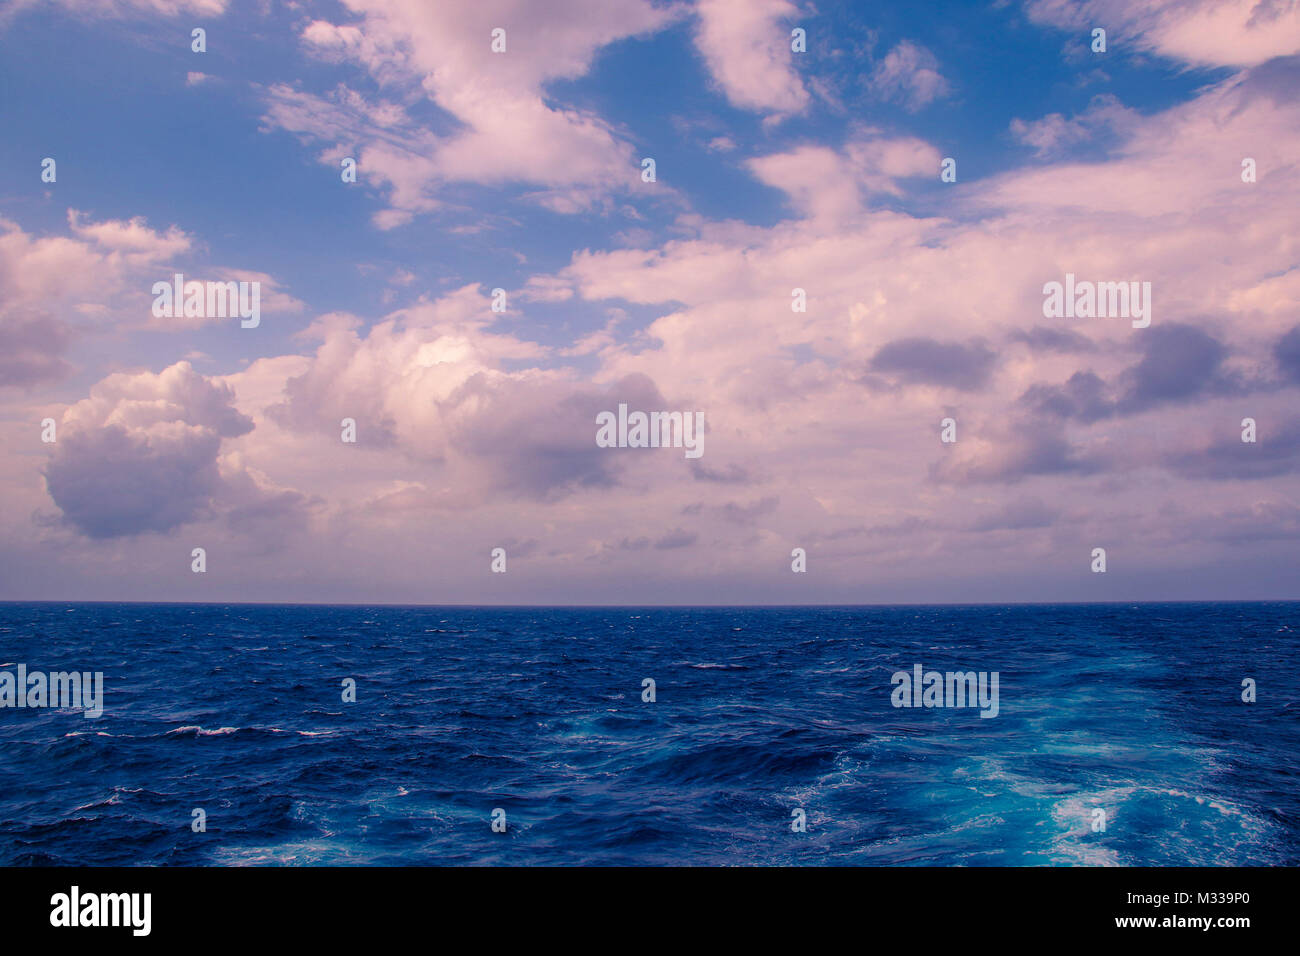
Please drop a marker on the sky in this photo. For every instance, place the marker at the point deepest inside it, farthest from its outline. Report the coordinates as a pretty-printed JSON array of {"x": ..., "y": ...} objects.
[{"x": 1170, "y": 157}]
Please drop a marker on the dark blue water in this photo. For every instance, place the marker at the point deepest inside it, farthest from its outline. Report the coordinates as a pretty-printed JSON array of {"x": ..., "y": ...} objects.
[{"x": 1133, "y": 709}]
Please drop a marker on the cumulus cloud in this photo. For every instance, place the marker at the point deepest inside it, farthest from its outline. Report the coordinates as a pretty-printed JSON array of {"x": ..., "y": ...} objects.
[
  {"x": 96, "y": 262},
  {"x": 51, "y": 285},
  {"x": 433, "y": 383},
  {"x": 56, "y": 289},
  {"x": 1179, "y": 362},
  {"x": 474, "y": 431},
  {"x": 1084, "y": 397},
  {"x": 140, "y": 454},
  {"x": 833, "y": 185},
  {"x": 918, "y": 301}
]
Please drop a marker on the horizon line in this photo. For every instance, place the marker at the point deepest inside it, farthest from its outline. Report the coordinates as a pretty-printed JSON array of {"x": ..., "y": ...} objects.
[{"x": 747, "y": 607}]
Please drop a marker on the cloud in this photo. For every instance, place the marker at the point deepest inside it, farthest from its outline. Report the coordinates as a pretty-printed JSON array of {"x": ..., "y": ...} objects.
[
  {"x": 434, "y": 384},
  {"x": 1106, "y": 120},
  {"x": 1179, "y": 362},
  {"x": 125, "y": 8},
  {"x": 923, "y": 361},
  {"x": 818, "y": 180},
  {"x": 677, "y": 538},
  {"x": 140, "y": 454},
  {"x": 1275, "y": 452},
  {"x": 832, "y": 185},
  {"x": 50, "y": 286},
  {"x": 130, "y": 239},
  {"x": 1084, "y": 397},
  {"x": 31, "y": 348},
  {"x": 499, "y": 126},
  {"x": 98, "y": 263},
  {"x": 1021, "y": 450},
  {"x": 909, "y": 74},
  {"x": 1021, "y": 514},
  {"x": 1208, "y": 33},
  {"x": 746, "y": 45},
  {"x": 476, "y": 427},
  {"x": 1042, "y": 338},
  {"x": 55, "y": 290},
  {"x": 271, "y": 299},
  {"x": 747, "y": 514},
  {"x": 536, "y": 439},
  {"x": 1287, "y": 354}
]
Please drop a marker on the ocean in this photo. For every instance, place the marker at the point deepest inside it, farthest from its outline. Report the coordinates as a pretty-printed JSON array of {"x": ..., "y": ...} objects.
[{"x": 1120, "y": 738}]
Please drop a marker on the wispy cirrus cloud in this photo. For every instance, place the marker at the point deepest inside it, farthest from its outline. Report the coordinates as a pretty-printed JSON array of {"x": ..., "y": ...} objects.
[{"x": 1232, "y": 33}]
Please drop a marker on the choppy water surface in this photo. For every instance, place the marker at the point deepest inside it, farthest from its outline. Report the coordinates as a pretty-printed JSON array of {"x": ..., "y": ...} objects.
[{"x": 1133, "y": 709}]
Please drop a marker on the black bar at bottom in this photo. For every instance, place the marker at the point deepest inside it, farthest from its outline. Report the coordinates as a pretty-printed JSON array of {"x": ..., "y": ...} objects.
[{"x": 616, "y": 906}]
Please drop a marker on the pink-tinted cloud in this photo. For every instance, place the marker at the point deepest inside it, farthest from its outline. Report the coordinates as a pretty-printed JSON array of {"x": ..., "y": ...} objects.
[
  {"x": 747, "y": 47},
  {"x": 910, "y": 74},
  {"x": 1236, "y": 33},
  {"x": 504, "y": 130}
]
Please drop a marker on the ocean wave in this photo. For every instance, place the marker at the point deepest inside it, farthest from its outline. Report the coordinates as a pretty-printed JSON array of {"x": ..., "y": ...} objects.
[{"x": 746, "y": 728}]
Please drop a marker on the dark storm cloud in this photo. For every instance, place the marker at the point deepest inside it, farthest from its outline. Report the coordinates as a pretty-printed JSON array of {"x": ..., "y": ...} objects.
[
  {"x": 1179, "y": 363},
  {"x": 923, "y": 361},
  {"x": 1276, "y": 451},
  {"x": 1084, "y": 397},
  {"x": 1043, "y": 338},
  {"x": 1287, "y": 354}
]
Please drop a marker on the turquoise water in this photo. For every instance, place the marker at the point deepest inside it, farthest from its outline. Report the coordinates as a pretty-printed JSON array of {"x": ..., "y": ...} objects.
[{"x": 1134, "y": 710}]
